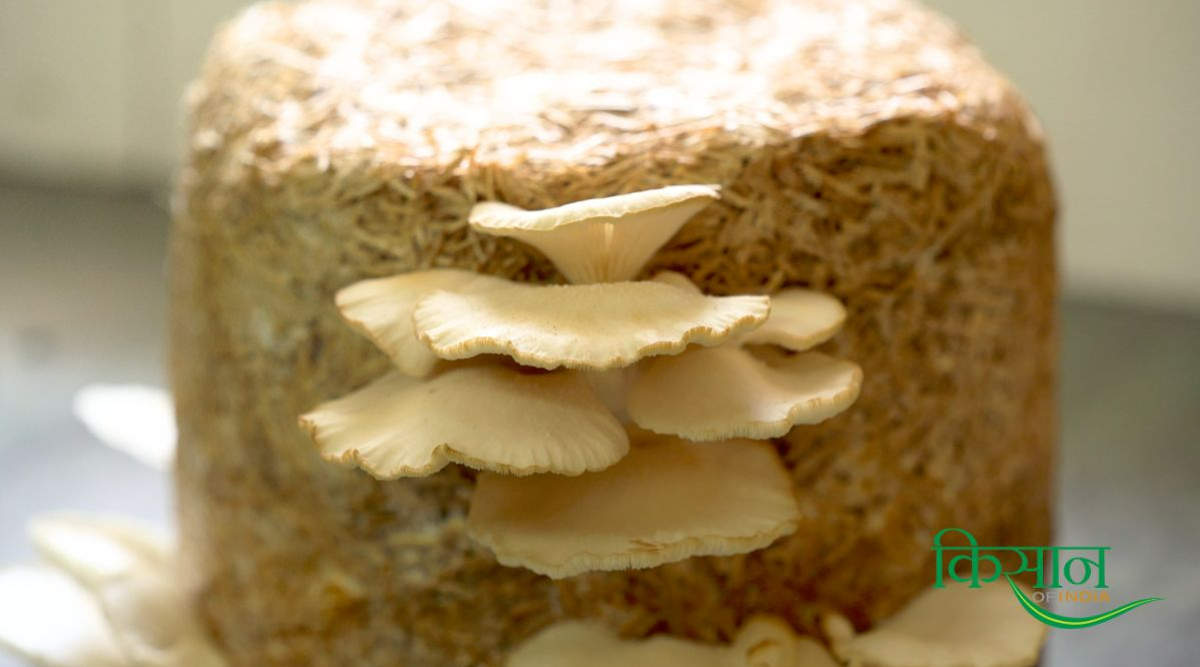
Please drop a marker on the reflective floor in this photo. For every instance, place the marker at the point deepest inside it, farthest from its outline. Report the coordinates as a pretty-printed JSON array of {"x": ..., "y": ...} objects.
[{"x": 82, "y": 300}]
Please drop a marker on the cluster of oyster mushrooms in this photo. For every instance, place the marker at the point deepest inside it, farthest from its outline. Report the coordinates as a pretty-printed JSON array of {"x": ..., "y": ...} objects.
[
  {"x": 955, "y": 626},
  {"x": 618, "y": 423},
  {"x": 107, "y": 594}
]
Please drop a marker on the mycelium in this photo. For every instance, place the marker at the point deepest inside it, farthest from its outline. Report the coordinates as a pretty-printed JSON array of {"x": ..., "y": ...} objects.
[{"x": 530, "y": 383}]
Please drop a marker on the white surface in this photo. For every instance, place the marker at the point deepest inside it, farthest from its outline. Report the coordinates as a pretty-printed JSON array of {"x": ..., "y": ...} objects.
[{"x": 92, "y": 87}]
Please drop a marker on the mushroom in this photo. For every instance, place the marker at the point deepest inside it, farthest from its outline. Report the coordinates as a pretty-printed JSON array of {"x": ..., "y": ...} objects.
[
  {"x": 47, "y": 618},
  {"x": 665, "y": 501},
  {"x": 128, "y": 571},
  {"x": 677, "y": 279},
  {"x": 599, "y": 240},
  {"x": 955, "y": 626},
  {"x": 800, "y": 319},
  {"x": 486, "y": 416},
  {"x": 596, "y": 327},
  {"x": 764, "y": 641},
  {"x": 727, "y": 392},
  {"x": 768, "y": 641},
  {"x": 381, "y": 309}
]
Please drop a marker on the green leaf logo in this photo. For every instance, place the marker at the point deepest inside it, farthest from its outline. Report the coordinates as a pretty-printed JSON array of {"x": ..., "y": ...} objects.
[{"x": 1069, "y": 622}]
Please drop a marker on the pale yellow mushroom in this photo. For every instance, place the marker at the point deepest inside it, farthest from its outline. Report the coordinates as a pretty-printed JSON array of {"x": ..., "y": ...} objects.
[
  {"x": 485, "y": 416},
  {"x": 727, "y": 392},
  {"x": 381, "y": 309},
  {"x": 764, "y": 641},
  {"x": 955, "y": 626},
  {"x": 768, "y": 641},
  {"x": 130, "y": 572},
  {"x": 800, "y": 319},
  {"x": 607, "y": 239},
  {"x": 47, "y": 618},
  {"x": 665, "y": 501},
  {"x": 595, "y": 327}
]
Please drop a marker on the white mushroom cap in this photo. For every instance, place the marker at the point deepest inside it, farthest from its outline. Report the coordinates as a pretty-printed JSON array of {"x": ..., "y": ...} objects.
[
  {"x": 46, "y": 617},
  {"x": 96, "y": 550},
  {"x": 129, "y": 570},
  {"x": 665, "y": 501},
  {"x": 955, "y": 626},
  {"x": 607, "y": 325},
  {"x": 599, "y": 240},
  {"x": 764, "y": 641},
  {"x": 484, "y": 416},
  {"x": 800, "y": 319},
  {"x": 381, "y": 309},
  {"x": 726, "y": 392}
]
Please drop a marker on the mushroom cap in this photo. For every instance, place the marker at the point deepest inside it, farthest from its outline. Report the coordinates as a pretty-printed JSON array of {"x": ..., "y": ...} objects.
[
  {"x": 95, "y": 550},
  {"x": 381, "y": 309},
  {"x": 48, "y": 618},
  {"x": 665, "y": 501},
  {"x": 768, "y": 641},
  {"x": 127, "y": 568},
  {"x": 596, "y": 327},
  {"x": 800, "y": 319},
  {"x": 955, "y": 626},
  {"x": 727, "y": 392},
  {"x": 599, "y": 240},
  {"x": 485, "y": 416},
  {"x": 677, "y": 279}
]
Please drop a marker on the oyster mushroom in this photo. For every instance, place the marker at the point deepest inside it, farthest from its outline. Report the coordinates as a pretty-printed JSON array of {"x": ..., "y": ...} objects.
[
  {"x": 955, "y": 626},
  {"x": 381, "y": 309},
  {"x": 597, "y": 327},
  {"x": 46, "y": 617},
  {"x": 665, "y": 501},
  {"x": 129, "y": 572},
  {"x": 727, "y": 392},
  {"x": 490, "y": 417},
  {"x": 607, "y": 239},
  {"x": 800, "y": 319}
]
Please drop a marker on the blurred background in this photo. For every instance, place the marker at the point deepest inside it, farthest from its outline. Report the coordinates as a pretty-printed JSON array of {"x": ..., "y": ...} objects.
[{"x": 90, "y": 133}]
